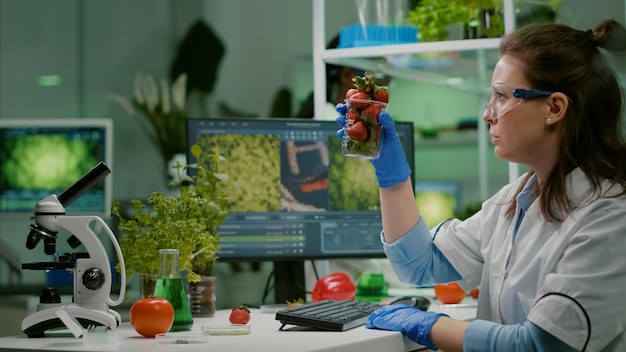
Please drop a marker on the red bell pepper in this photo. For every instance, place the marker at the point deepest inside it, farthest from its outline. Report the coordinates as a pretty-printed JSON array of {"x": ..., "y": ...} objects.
[{"x": 337, "y": 286}]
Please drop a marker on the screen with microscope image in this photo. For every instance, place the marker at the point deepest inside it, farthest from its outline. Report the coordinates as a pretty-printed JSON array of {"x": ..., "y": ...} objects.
[
  {"x": 292, "y": 194},
  {"x": 40, "y": 157}
]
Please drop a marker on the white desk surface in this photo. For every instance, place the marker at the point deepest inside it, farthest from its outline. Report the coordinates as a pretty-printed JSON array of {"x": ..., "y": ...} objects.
[{"x": 264, "y": 336}]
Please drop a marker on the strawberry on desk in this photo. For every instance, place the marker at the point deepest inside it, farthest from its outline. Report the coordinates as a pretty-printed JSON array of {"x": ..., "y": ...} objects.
[
  {"x": 239, "y": 315},
  {"x": 295, "y": 303}
]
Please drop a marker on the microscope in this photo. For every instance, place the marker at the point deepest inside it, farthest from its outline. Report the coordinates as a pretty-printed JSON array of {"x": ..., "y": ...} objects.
[{"x": 92, "y": 274}]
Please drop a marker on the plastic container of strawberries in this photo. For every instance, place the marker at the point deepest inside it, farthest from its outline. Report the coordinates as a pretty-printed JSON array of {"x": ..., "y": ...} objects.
[{"x": 362, "y": 130}]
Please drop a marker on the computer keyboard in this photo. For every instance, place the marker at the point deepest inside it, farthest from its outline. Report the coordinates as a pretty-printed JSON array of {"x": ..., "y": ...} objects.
[{"x": 328, "y": 315}]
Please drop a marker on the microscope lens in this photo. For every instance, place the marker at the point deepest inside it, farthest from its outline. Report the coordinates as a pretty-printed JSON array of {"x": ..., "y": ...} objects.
[
  {"x": 49, "y": 245},
  {"x": 33, "y": 238}
]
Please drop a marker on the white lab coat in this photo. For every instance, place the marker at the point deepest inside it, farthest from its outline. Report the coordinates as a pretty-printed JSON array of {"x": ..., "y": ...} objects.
[{"x": 580, "y": 263}]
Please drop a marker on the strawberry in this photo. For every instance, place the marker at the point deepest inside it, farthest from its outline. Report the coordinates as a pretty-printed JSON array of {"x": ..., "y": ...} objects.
[
  {"x": 353, "y": 115},
  {"x": 239, "y": 315},
  {"x": 362, "y": 118},
  {"x": 373, "y": 110},
  {"x": 365, "y": 84},
  {"x": 358, "y": 131},
  {"x": 381, "y": 94},
  {"x": 296, "y": 303},
  {"x": 351, "y": 92},
  {"x": 354, "y": 100}
]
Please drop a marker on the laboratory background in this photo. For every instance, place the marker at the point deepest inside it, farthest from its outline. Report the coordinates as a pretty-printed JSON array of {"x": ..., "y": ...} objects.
[{"x": 74, "y": 59}]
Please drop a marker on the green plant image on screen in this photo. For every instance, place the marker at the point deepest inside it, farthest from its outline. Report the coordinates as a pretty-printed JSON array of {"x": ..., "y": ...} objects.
[
  {"x": 251, "y": 160},
  {"x": 353, "y": 184},
  {"x": 262, "y": 178},
  {"x": 45, "y": 162},
  {"x": 437, "y": 201}
]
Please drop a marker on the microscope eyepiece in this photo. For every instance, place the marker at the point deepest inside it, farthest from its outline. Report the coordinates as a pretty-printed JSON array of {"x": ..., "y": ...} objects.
[
  {"x": 52, "y": 206},
  {"x": 87, "y": 181}
]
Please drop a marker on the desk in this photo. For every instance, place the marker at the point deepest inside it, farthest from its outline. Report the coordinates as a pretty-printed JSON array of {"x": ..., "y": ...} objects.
[{"x": 264, "y": 336}]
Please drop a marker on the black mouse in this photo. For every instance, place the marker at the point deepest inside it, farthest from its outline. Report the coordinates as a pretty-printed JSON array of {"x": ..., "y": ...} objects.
[{"x": 419, "y": 302}]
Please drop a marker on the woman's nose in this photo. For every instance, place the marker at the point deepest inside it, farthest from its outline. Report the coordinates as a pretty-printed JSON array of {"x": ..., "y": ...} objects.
[{"x": 487, "y": 116}]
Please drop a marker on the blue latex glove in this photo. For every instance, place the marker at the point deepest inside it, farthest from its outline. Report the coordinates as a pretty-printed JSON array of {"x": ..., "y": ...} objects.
[
  {"x": 391, "y": 166},
  {"x": 410, "y": 321}
]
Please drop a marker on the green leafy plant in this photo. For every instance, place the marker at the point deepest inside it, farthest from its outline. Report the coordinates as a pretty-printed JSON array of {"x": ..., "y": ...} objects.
[
  {"x": 432, "y": 17},
  {"x": 187, "y": 221},
  {"x": 164, "y": 108}
]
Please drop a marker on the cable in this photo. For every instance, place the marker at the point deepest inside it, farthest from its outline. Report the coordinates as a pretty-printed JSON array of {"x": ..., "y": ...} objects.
[
  {"x": 268, "y": 286},
  {"x": 317, "y": 276},
  {"x": 581, "y": 308}
]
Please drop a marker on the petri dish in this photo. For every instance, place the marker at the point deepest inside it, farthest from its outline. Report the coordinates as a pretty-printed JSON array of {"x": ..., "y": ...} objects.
[
  {"x": 226, "y": 329},
  {"x": 181, "y": 338}
]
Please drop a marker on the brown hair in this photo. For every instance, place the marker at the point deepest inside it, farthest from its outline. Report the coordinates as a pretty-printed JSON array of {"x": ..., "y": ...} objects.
[{"x": 560, "y": 58}]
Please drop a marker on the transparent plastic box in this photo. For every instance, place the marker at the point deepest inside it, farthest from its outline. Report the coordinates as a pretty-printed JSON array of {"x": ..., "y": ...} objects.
[{"x": 362, "y": 131}]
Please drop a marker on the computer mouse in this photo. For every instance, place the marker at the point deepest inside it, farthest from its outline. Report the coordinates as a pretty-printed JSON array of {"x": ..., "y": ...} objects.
[{"x": 419, "y": 302}]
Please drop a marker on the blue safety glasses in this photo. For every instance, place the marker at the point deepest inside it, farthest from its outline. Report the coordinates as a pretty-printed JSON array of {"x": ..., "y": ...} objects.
[{"x": 502, "y": 99}]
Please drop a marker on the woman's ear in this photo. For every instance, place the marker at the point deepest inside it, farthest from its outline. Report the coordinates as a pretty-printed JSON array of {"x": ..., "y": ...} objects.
[{"x": 557, "y": 107}]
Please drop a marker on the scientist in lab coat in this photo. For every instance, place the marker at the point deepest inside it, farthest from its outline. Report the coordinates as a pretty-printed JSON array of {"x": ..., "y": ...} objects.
[{"x": 546, "y": 250}]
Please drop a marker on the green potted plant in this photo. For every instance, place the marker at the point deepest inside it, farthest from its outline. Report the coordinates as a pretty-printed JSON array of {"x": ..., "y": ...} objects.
[
  {"x": 433, "y": 17},
  {"x": 187, "y": 221},
  {"x": 163, "y": 105}
]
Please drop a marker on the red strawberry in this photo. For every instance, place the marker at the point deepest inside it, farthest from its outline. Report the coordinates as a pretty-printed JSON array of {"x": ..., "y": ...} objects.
[
  {"x": 373, "y": 110},
  {"x": 353, "y": 115},
  {"x": 381, "y": 94},
  {"x": 239, "y": 315},
  {"x": 358, "y": 131},
  {"x": 351, "y": 92},
  {"x": 295, "y": 303},
  {"x": 355, "y": 100}
]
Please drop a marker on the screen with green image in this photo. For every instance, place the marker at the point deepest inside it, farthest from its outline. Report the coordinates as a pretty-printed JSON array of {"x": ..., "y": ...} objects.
[
  {"x": 40, "y": 157},
  {"x": 437, "y": 200}
]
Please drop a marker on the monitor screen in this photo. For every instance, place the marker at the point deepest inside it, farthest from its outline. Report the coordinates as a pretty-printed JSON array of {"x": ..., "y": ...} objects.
[
  {"x": 39, "y": 157},
  {"x": 437, "y": 200},
  {"x": 293, "y": 195}
]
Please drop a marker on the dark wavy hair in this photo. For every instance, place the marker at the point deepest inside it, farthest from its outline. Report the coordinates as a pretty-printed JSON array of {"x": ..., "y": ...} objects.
[{"x": 563, "y": 59}]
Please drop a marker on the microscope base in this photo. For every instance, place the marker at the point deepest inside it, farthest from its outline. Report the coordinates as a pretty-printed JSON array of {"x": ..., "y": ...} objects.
[{"x": 36, "y": 324}]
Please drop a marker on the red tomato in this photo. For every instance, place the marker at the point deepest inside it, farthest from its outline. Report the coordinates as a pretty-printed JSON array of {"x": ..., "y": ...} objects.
[
  {"x": 449, "y": 293},
  {"x": 337, "y": 286},
  {"x": 151, "y": 316},
  {"x": 474, "y": 292}
]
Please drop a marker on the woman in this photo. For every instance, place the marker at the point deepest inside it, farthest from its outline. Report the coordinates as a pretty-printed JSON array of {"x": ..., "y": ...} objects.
[{"x": 546, "y": 250}]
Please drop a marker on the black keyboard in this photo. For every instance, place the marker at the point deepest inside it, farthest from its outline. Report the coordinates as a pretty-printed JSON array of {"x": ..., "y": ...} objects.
[{"x": 328, "y": 315}]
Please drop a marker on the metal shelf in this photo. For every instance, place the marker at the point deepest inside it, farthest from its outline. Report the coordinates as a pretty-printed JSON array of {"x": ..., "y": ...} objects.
[
  {"x": 415, "y": 48},
  {"x": 472, "y": 73}
]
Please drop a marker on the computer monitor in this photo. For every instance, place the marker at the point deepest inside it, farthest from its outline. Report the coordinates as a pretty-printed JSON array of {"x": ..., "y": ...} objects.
[
  {"x": 437, "y": 200},
  {"x": 293, "y": 195},
  {"x": 39, "y": 157}
]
